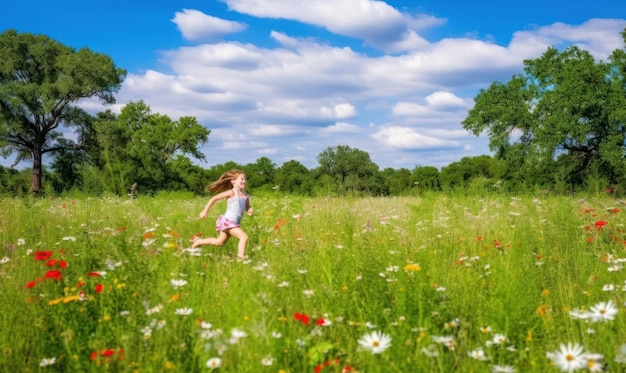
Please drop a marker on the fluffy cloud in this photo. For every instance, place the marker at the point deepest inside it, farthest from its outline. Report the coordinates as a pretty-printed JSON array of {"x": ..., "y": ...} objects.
[
  {"x": 293, "y": 96},
  {"x": 409, "y": 139},
  {"x": 197, "y": 26}
]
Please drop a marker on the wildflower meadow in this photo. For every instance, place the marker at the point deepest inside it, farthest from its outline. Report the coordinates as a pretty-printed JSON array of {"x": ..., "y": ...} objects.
[{"x": 431, "y": 283}]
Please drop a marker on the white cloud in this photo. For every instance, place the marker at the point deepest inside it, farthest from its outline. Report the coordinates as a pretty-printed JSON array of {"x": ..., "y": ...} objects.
[
  {"x": 443, "y": 100},
  {"x": 409, "y": 139},
  {"x": 268, "y": 130},
  {"x": 268, "y": 151},
  {"x": 234, "y": 145},
  {"x": 376, "y": 22},
  {"x": 599, "y": 36},
  {"x": 345, "y": 111},
  {"x": 341, "y": 127},
  {"x": 197, "y": 26},
  {"x": 294, "y": 99}
]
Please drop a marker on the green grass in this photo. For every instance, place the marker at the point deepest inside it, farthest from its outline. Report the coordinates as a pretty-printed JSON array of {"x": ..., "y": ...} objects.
[{"x": 413, "y": 268}]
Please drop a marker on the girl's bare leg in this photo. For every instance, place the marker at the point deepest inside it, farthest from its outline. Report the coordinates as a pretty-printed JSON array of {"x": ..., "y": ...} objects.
[
  {"x": 219, "y": 241},
  {"x": 243, "y": 241}
]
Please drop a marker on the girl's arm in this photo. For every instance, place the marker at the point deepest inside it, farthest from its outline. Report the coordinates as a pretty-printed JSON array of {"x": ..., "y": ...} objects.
[
  {"x": 248, "y": 208},
  {"x": 215, "y": 198}
]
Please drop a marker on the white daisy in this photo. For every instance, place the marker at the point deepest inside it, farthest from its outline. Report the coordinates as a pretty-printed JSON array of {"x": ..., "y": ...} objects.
[
  {"x": 267, "y": 361},
  {"x": 375, "y": 342},
  {"x": 569, "y": 358},
  {"x": 603, "y": 311},
  {"x": 178, "y": 283},
  {"x": 214, "y": 362},
  {"x": 47, "y": 362},
  {"x": 477, "y": 354},
  {"x": 184, "y": 311},
  {"x": 445, "y": 340},
  {"x": 236, "y": 335},
  {"x": 594, "y": 363},
  {"x": 579, "y": 314}
]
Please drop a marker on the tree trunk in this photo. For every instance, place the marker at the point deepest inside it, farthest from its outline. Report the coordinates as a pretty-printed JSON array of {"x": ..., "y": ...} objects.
[{"x": 35, "y": 186}]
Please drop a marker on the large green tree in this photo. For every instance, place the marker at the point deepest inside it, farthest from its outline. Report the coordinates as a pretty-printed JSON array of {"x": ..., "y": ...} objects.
[
  {"x": 41, "y": 81},
  {"x": 565, "y": 104},
  {"x": 351, "y": 169},
  {"x": 143, "y": 147},
  {"x": 260, "y": 174},
  {"x": 293, "y": 177}
]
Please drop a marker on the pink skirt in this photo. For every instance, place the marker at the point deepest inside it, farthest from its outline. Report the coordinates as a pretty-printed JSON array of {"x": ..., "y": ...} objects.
[{"x": 223, "y": 223}]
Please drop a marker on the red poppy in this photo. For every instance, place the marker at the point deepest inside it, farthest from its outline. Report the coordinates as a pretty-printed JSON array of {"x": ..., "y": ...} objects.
[
  {"x": 55, "y": 274},
  {"x": 304, "y": 319},
  {"x": 80, "y": 284},
  {"x": 51, "y": 263},
  {"x": 93, "y": 274},
  {"x": 62, "y": 263},
  {"x": 94, "y": 356},
  {"x": 601, "y": 223},
  {"x": 30, "y": 284},
  {"x": 98, "y": 288},
  {"x": 320, "y": 321},
  {"x": 107, "y": 353},
  {"x": 42, "y": 255}
]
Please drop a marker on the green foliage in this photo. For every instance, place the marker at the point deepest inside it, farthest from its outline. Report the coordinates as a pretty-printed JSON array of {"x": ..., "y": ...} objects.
[
  {"x": 13, "y": 182},
  {"x": 40, "y": 80},
  {"x": 293, "y": 177},
  {"x": 351, "y": 169},
  {"x": 566, "y": 105},
  {"x": 261, "y": 173},
  {"x": 92, "y": 181},
  {"x": 147, "y": 148},
  {"x": 415, "y": 268}
]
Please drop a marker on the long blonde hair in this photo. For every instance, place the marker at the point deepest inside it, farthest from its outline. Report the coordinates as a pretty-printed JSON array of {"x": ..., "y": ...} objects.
[{"x": 224, "y": 182}]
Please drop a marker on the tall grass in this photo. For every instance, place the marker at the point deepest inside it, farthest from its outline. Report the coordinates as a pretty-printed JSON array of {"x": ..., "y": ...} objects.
[{"x": 457, "y": 283}]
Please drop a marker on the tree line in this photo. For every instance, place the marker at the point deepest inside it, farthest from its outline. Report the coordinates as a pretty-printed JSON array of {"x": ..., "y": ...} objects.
[{"x": 557, "y": 126}]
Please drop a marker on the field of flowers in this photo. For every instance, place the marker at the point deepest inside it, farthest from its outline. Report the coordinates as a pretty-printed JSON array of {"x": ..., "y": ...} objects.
[{"x": 434, "y": 283}]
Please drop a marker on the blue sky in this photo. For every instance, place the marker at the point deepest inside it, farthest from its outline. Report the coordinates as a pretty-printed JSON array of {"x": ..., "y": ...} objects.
[{"x": 286, "y": 79}]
